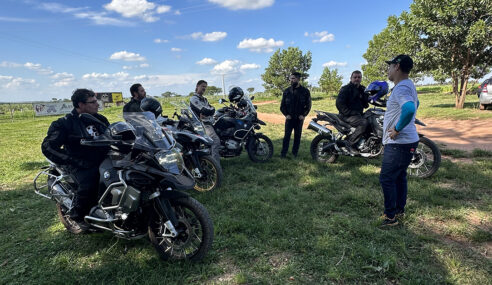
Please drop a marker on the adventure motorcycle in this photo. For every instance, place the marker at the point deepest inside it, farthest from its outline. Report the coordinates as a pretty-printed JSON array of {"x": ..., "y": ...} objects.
[
  {"x": 235, "y": 125},
  {"x": 196, "y": 147},
  {"x": 328, "y": 144},
  {"x": 141, "y": 180}
]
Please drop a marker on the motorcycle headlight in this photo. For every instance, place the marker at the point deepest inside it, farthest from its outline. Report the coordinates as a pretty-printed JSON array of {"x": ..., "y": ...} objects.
[{"x": 171, "y": 161}]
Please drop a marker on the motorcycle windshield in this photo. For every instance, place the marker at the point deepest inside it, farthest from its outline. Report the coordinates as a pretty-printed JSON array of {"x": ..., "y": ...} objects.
[
  {"x": 149, "y": 134},
  {"x": 250, "y": 106},
  {"x": 188, "y": 115}
]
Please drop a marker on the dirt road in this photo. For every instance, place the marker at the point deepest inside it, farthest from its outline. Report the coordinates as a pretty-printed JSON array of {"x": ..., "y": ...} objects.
[{"x": 463, "y": 134}]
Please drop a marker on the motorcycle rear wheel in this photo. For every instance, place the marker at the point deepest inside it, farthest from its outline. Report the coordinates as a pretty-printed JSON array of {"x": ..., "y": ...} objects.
[
  {"x": 426, "y": 159},
  {"x": 211, "y": 176},
  {"x": 195, "y": 229},
  {"x": 317, "y": 152},
  {"x": 260, "y": 148}
]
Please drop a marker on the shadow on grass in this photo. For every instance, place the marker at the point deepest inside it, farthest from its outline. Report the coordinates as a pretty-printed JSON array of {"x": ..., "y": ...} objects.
[
  {"x": 32, "y": 165},
  {"x": 468, "y": 105}
]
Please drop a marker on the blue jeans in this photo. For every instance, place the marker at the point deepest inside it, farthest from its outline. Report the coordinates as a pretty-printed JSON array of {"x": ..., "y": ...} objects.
[{"x": 393, "y": 176}]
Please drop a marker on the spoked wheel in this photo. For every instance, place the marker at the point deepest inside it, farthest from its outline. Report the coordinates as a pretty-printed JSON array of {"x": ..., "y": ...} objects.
[
  {"x": 426, "y": 159},
  {"x": 211, "y": 175},
  {"x": 317, "y": 149},
  {"x": 195, "y": 232},
  {"x": 71, "y": 225},
  {"x": 260, "y": 148}
]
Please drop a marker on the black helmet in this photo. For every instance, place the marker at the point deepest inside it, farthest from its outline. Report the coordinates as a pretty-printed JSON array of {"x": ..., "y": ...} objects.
[
  {"x": 152, "y": 105},
  {"x": 121, "y": 131},
  {"x": 235, "y": 94}
]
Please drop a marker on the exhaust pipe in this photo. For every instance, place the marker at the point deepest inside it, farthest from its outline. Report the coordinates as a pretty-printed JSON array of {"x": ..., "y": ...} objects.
[
  {"x": 318, "y": 128},
  {"x": 60, "y": 195}
]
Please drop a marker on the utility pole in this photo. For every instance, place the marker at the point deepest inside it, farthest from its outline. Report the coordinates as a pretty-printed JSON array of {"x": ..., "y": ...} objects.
[{"x": 223, "y": 85}]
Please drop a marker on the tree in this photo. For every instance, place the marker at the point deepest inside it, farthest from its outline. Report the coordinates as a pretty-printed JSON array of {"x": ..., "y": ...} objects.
[
  {"x": 330, "y": 80},
  {"x": 397, "y": 38},
  {"x": 281, "y": 64},
  {"x": 168, "y": 94},
  {"x": 250, "y": 90},
  {"x": 213, "y": 90},
  {"x": 456, "y": 38}
]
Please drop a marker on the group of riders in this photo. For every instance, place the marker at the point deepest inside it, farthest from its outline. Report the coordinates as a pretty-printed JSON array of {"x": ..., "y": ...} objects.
[{"x": 62, "y": 143}]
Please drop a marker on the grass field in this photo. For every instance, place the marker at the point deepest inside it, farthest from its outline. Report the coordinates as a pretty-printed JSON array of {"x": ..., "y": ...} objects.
[{"x": 285, "y": 221}]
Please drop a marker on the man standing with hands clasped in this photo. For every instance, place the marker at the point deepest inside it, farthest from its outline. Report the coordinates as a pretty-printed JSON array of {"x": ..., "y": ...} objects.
[
  {"x": 296, "y": 104},
  {"x": 400, "y": 138}
]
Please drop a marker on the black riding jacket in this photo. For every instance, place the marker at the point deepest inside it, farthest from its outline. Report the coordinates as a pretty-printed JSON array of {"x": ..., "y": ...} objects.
[
  {"x": 351, "y": 100},
  {"x": 296, "y": 102},
  {"x": 132, "y": 106},
  {"x": 62, "y": 144}
]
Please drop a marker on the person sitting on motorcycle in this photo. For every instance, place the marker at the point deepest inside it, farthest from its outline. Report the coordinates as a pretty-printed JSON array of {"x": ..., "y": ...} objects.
[
  {"x": 350, "y": 103},
  {"x": 203, "y": 110},
  {"x": 62, "y": 146},
  {"x": 138, "y": 93}
]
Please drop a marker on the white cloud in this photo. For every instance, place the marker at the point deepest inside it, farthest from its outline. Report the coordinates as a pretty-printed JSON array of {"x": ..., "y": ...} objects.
[
  {"x": 243, "y": 4},
  {"x": 206, "y": 61},
  {"x": 160, "y": 41},
  {"x": 332, "y": 63},
  {"x": 15, "y": 20},
  {"x": 127, "y": 56},
  {"x": 249, "y": 66},
  {"x": 144, "y": 65},
  {"x": 260, "y": 44},
  {"x": 9, "y": 64},
  {"x": 13, "y": 82},
  {"x": 175, "y": 49},
  {"x": 106, "y": 76},
  {"x": 163, "y": 9},
  {"x": 177, "y": 12},
  {"x": 164, "y": 80},
  {"x": 38, "y": 68},
  {"x": 227, "y": 66},
  {"x": 208, "y": 37},
  {"x": 63, "y": 79},
  {"x": 321, "y": 37},
  {"x": 137, "y": 9}
]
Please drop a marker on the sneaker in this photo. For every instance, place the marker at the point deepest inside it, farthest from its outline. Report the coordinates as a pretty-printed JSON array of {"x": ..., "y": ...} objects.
[
  {"x": 388, "y": 221},
  {"x": 400, "y": 215}
]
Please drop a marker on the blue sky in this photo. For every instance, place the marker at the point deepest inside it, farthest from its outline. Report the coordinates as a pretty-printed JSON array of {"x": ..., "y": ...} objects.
[{"x": 49, "y": 48}]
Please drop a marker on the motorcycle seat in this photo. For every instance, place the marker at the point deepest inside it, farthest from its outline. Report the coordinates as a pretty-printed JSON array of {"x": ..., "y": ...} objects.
[{"x": 337, "y": 122}]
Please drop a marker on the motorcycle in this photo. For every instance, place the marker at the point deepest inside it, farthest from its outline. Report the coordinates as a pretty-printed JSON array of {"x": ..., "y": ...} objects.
[
  {"x": 328, "y": 144},
  {"x": 236, "y": 125},
  {"x": 189, "y": 132},
  {"x": 141, "y": 181}
]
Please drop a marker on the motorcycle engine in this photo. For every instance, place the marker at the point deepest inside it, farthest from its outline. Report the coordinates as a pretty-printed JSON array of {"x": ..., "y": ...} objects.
[{"x": 232, "y": 144}]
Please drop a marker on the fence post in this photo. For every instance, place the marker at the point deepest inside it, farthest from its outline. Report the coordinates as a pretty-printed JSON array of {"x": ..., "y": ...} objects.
[{"x": 11, "y": 113}]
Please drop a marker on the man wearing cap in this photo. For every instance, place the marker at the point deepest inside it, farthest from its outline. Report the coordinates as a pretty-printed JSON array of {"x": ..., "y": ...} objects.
[{"x": 400, "y": 138}]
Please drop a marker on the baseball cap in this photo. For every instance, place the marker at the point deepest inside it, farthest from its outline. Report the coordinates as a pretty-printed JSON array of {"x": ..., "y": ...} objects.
[{"x": 405, "y": 61}]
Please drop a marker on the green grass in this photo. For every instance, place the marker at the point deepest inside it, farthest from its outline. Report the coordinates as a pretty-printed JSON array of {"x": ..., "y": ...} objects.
[
  {"x": 285, "y": 221},
  {"x": 432, "y": 105}
]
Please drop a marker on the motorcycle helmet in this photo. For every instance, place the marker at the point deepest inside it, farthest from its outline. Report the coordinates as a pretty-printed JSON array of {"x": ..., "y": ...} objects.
[
  {"x": 121, "y": 131},
  {"x": 242, "y": 103},
  {"x": 152, "y": 105},
  {"x": 376, "y": 90},
  {"x": 235, "y": 94}
]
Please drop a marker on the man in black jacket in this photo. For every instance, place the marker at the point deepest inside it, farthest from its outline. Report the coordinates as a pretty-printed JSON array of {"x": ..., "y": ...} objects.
[
  {"x": 62, "y": 146},
  {"x": 351, "y": 102},
  {"x": 138, "y": 93},
  {"x": 296, "y": 104}
]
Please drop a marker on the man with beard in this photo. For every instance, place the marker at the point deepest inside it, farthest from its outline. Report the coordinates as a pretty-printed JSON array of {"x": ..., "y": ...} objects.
[
  {"x": 296, "y": 104},
  {"x": 138, "y": 93}
]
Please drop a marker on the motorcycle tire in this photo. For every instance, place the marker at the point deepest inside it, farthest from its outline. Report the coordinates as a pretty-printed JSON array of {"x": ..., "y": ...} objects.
[
  {"x": 318, "y": 154},
  {"x": 426, "y": 159},
  {"x": 260, "y": 148},
  {"x": 211, "y": 176},
  {"x": 195, "y": 232}
]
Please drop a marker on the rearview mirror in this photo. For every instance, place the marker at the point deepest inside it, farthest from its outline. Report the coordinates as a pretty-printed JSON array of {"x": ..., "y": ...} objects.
[{"x": 252, "y": 97}]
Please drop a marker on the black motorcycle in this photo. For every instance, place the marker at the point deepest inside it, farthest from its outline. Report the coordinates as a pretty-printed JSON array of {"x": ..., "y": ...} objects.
[
  {"x": 328, "y": 144},
  {"x": 235, "y": 125},
  {"x": 189, "y": 131},
  {"x": 141, "y": 180}
]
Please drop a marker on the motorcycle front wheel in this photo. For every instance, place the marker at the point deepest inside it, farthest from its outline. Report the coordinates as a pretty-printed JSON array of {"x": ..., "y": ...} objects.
[
  {"x": 211, "y": 174},
  {"x": 71, "y": 225},
  {"x": 426, "y": 159},
  {"x": 317, "y": 152},
  {"x": 195, "y": 232},
  {"x": 260, "y": 148}
]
